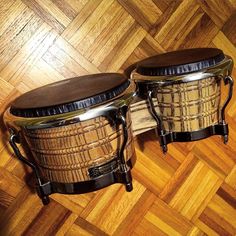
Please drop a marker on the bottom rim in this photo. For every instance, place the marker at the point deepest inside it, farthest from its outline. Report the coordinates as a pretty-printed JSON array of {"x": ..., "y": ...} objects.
[{"x": 90, "y": 185}]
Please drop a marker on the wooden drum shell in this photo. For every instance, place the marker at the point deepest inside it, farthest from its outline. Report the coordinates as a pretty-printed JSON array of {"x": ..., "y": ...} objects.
[
  {"x": 64, "y": 154},
  {"x": 191, "y": 106},
  {"x": 182, "y": 107}
]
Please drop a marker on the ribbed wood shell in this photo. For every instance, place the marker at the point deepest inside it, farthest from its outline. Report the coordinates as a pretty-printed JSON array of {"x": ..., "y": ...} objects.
[
  {"x": 189, "y": 106},
  {"x": 64, "y": 154},
  {"x": 182, "y": 107}
]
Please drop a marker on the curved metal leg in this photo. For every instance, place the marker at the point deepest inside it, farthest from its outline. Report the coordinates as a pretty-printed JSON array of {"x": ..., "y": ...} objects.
[
  {"x": 124, "y": 168},
  {"x": 159, "y": 130},
  {"x": 41, "y": 187},
  {"x": 227, "y": 80}
]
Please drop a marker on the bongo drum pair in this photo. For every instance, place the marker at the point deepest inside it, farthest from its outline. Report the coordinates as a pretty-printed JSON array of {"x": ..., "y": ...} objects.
[{"x": 79, "y": 130}]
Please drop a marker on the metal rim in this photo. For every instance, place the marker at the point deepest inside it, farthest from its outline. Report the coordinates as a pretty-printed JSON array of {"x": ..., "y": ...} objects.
[
  {"x": 107, "y": 110},
  {"x": 221, "y": 69}
]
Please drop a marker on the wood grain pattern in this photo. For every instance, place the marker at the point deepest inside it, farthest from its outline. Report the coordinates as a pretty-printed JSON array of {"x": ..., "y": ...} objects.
[
  {"x": 65, "y": 154},
  {"x": 189, "y": 191},
  {"x": 182, "y": 107}
]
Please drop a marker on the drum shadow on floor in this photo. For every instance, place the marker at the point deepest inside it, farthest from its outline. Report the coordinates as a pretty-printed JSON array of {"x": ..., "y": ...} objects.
[
  {"x": 128, "y": 71},
  {"x": 148, "y": 136}
]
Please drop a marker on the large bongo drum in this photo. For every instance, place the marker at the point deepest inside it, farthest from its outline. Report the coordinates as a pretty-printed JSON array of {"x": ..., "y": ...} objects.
[
  {"x": 78, "y": 131},
  {"x": 180, "y": 94}
]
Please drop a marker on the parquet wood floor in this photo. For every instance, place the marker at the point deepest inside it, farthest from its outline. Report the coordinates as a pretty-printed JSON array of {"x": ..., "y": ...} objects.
[{"x": 189, "y": 191}]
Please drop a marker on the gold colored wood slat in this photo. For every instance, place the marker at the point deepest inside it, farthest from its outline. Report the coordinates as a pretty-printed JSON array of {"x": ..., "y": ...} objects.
[
  {"x": 112, "y": 208},
  {"x": 219, "y": 11},
  {"x": 112, "y": 38},
  {"x": 67, "y": 226},
  {"x": 6, "y": 88},
  {"x": 198, "y": 188},
  {"x": 101, "y": 29},
  {"x": 87, "y": 26},
  {"x": 10, "y": 10},
  {"x": 231, "y": 178},
  {"x": 135, "y": 216},
  {"x": 176, "y": 23},
  {"x": 46, "y": 222},
  {"x": 145, "y": 13},
  {"x": 151, "y": 175},
  {"x": 85, "y": 12},
  {"x": 29, "y": 53},
  {"x": 50, "y": 13},
  {"x": 122, "y": 50}
]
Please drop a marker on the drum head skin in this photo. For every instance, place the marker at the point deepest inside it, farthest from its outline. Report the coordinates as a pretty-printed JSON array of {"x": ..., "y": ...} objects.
[
  {"x": 69, "y": 95},
  {"x": 180, "y": 62}
]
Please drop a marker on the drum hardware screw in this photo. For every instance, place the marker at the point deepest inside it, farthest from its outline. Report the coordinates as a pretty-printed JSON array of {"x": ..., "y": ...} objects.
[
  {"x": 44, "y": 190},
  {"x": 126, "y": 178},
  {"x": 226, "y": 139},
  {"x": 129, "y": 187},
  {"x": 164, "y": 148},
  {"x": 225, "y": 131},
  {"x": 45, "y": 200},
  {"x": 162, "y": 140}
]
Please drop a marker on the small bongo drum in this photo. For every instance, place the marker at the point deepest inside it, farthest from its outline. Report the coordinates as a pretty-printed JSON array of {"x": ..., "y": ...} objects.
[
  {"x": 78, "y": 131},
  {"x": 181, "y": 91}
]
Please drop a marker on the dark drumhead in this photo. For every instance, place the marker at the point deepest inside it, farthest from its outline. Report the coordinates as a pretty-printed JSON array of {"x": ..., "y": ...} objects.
[
  {"x": 180, "y": 62},
  {"x": 69, "y": 95}
]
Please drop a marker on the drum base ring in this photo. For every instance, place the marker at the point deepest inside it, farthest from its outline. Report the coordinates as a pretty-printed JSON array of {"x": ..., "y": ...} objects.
[
  {"x": 87, "y": 186},
  {"x": 169, "y": 137}
]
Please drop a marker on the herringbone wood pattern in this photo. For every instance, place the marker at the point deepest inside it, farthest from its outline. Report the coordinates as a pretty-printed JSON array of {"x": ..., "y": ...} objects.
[{"x": 189, "y": 191}]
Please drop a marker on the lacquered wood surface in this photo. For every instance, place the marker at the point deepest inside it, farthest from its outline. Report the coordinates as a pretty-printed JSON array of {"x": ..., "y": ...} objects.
[
  {"x": 189, "y": 191},
  {"x": 65, "y": 154},
  {"x": 183, "y": 107}
]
